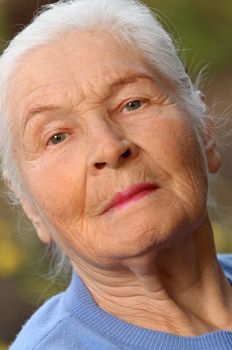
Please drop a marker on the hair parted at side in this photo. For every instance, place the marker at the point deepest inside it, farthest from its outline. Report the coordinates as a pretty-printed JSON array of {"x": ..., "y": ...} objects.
[{"x": 128, "y": 20}]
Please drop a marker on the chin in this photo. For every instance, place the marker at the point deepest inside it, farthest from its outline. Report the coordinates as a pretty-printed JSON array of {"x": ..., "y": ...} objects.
[{"x": 141, "y": 233}]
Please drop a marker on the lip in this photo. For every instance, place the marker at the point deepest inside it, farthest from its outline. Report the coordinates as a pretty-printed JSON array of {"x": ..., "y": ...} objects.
[{"x": 133, "y": 193}]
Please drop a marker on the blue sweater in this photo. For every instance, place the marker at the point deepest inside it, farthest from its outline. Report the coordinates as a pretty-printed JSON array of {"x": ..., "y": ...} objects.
[{"x": 72, "y": 320}]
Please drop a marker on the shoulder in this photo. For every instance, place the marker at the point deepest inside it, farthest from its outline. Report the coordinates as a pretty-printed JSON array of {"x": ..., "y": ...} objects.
[
  {"x": 45, "y": 328},
  {"x": 225, "y": 261}
]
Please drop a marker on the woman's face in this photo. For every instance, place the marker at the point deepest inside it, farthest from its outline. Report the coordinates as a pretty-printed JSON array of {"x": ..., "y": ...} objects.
[{"x": 91, "y": 120}]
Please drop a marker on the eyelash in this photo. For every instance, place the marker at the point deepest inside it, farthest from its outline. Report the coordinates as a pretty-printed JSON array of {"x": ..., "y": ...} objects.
[
  {"x": 141, "y": 102},
  {"x": 121, "y": 108},
  {"x": 53, "y": 135}
]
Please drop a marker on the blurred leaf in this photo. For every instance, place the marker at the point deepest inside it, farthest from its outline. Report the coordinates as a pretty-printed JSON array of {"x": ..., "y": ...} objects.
[
  {"x": 3, "y": 346},
  {"x": 5, "y": 229},
  {"x": 11, "y": 257},
  {"x": 202, "y": 27}
]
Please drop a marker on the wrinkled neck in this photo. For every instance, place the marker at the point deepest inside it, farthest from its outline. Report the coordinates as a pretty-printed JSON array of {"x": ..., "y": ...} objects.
[{"x": 180, "y": 290}]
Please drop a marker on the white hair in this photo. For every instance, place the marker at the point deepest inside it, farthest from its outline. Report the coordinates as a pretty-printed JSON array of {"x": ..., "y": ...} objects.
[{"x": 127, "y": 20}]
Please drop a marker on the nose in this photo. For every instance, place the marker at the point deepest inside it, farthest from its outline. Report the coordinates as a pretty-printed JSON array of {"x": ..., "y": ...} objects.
[{"x": 108, "y": 149}]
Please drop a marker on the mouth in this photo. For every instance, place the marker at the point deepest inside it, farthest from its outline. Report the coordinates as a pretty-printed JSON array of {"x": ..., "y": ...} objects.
[{"x": 132, "y": 194}]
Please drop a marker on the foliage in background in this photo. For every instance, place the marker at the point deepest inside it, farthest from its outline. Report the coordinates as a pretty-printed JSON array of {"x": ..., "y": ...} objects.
[{"x": 203, "y": 28}]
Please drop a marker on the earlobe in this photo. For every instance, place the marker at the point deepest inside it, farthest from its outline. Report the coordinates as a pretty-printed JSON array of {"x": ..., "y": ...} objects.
[
  {"x": 30, "y": 212},
  {"x": 213, "y": 159},
  {"x": 41, "y": 229},
  {"x": 212, "y": 154}
]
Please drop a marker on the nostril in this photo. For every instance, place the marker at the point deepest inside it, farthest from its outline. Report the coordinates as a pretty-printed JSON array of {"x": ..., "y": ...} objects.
[
  {"x": 100, "y": 165},
  {"x": 126, "y": 154}
]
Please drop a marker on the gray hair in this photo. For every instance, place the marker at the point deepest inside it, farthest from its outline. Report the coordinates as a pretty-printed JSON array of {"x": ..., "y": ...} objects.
[{"x": 128, "y": 21}]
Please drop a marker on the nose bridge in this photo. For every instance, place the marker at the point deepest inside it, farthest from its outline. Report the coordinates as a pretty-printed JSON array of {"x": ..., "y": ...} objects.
[
  {"x": 105, "y": 143},
  {"x": 101, "y": 131}
]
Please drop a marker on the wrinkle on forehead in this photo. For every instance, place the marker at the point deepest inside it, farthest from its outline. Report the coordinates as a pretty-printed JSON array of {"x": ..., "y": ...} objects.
[
  {"x": 73, "y": 67},
  {"x": 77, "y": 49}
]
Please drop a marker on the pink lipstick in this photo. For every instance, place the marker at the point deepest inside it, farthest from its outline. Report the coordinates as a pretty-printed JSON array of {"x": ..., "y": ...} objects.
[{"x": 132, "y": 194}]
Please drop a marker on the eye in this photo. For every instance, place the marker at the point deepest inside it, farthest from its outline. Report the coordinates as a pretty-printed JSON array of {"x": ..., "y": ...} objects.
[
  {"x": 58, "y": 138},
  {"x": 133, "y": 105}
]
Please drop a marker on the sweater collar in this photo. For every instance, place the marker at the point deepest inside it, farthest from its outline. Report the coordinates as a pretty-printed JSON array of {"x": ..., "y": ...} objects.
[{"x": 80, "y": 303}]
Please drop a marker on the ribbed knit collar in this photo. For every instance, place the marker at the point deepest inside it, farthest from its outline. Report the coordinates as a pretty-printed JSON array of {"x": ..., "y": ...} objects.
[{"x": 80, "y": 303}]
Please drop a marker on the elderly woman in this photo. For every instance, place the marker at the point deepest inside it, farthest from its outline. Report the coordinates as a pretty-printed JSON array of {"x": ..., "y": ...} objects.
[{"x": 108, "y": 147}]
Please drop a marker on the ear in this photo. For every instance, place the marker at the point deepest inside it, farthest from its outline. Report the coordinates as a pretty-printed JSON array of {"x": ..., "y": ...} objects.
[
  {"x": 38, "y": 224},
  {"x": 212, "y": 154},
  {"x": 41, "y": 230}
]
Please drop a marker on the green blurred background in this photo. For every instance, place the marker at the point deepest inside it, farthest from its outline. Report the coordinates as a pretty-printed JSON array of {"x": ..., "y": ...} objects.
[{"x": 203, "y": 31}]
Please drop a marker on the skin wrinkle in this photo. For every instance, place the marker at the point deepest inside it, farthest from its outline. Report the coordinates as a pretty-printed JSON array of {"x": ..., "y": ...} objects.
[{"x": 140, "y": 261}]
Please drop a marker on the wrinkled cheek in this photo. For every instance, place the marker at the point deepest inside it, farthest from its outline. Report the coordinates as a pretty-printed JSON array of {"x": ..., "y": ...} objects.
[
  {"x": 59, "y": 193},
  {"x": 76, "y": 237}
]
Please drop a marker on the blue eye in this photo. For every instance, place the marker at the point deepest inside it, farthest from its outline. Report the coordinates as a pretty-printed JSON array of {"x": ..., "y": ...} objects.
[
  {"x": 133, "y": 105},
  {"x": 58, "y": 138}
]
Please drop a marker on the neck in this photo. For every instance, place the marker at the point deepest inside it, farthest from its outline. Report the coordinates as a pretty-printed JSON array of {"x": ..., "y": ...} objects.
[{"x": 180, "y": 290}]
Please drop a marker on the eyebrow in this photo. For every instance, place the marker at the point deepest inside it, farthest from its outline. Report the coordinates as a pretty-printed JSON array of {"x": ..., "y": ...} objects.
[
  {"x": 130, "y": 78},
  {"x": 127, "y": 79},
  {"x": 38, "y": 110}
]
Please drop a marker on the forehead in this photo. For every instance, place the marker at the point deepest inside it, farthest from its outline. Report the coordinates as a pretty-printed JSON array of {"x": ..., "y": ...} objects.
[
  {"x": 76, "y": 58},
  {"x": 69, "y": 69}
]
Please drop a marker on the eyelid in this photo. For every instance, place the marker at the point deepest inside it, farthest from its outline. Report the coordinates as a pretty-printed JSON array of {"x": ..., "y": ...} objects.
[
  {"x": 49, "y": 143},
  {"x": 120, "y": 107},
  {"x": 142, "y": 101},
  {"x": 48, "y": 136}
]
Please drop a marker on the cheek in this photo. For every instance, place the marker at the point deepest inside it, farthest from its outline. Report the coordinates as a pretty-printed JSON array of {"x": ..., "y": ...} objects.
[
  {"x": 173, "y": 144},
  {"x": 58, "y": 184},
  {"x": 174, "y": 150}
]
